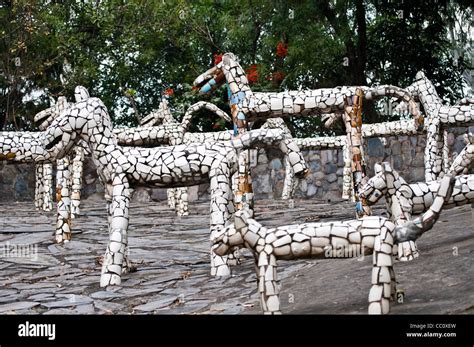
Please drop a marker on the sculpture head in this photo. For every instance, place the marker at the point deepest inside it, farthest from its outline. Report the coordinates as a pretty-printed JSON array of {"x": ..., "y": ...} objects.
[
  {"x": 420, "y": 75},
  {"x": 232, "y": 236},
  {"x": 87, "y": 120},
  {"x": 228, "y": 70},
  {"x": 46, "y": 117},
  {"x": 224, "y": 242},
  {"x": 377, "y": 186}
]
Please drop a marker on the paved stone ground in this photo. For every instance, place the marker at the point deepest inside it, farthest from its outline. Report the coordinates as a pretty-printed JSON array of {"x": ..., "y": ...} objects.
[{"x": 173, "y": 266}]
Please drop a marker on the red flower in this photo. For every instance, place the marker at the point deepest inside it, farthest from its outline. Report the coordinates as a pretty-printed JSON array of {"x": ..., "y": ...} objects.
[
  {"x": 252, "y": 73},
  {"x": 216, "y": 126},
  {"x": 282, "y": 49},
  {"x": 169, "y": 91},
  {"x": 217, "y": 58}
]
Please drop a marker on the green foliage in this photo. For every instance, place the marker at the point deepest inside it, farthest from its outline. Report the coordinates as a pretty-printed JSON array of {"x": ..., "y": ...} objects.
[{"x": 129, "y": 52}]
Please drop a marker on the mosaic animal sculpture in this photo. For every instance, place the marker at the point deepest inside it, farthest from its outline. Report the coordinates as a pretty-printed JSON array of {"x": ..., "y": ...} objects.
[
  {"x": 173, "y": 166},
  {"x": 464, "y": 161},
  {"x": 68, "y": 170},
  {"x": 158, "y": 135},
  {"x": 404, "y": 200},
  {"x": 401, "y": 127},
  {"x": 27, "y": 147},
  {"x": 168, "y": 132},
  {"x": 247, "y": 105},
  {"x": 438, "y": 118},
  {"x": 346, "y": 239}
]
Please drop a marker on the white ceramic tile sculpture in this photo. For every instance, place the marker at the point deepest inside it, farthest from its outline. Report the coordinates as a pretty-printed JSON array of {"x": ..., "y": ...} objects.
[
  {"x": 401, "y": 127},
  {"x": 248, "y": 106},
  {"x": 171, "y": 133},
  {"x": 438, "y": 118},
  {"x": 345, "y": 239},
  {"x": 182, "y": 165},
  {"x": 63, "y": 200},
  {"x": 464, "y": 161},
  {"x": 77, "y": 167},
  {"x": 404, "y": 200},
  {"x": 168, "y": 132},
  {"x": 44, "y": 179}
]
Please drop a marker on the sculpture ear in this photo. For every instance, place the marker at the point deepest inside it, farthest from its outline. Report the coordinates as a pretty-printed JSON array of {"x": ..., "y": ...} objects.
[
  {"x": 420, "y": 75},
  {"x": 469, "y": 138},
  {"x": 378, "y": 168},
  {"x": 227, "y": 57},
  {"x": 81, "y": 93},
  {"x": 387, "y": 167}
]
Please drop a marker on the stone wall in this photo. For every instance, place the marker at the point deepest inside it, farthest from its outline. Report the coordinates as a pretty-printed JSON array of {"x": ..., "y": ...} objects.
[{"x": 405, "y": 153}]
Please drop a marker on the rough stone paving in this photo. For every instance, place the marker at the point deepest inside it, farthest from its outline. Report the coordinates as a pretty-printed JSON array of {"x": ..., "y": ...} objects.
[{"x": 172, "y": 259}]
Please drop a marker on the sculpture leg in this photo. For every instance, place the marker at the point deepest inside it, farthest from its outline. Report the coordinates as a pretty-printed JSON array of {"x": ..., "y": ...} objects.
[
  {"x": 181, "y": 203},
  {"x": 381, "y": 290},
  {"x": 115, "y": 254},
  {"x": 63, "y": 200},
  {"x": 268, "y": 283},
  {"x": 407, "y": 250},
  {"x": 288, "y": 183},
  {"x": 446, "y": 163},
  {"x": 347, "y": 173},
  {"x": 472, "y": 213},
  {"x": 243, "y": 196},
  {"x": 353, "y": 124},
  {"x": 39, "y": 186},
  {"x": 47, "y": 187},
  {"x": 77, "y": 169},
  {"x": 433, "y": 157},
  {"x": 127, "y": 265},
  {"x": 171, "y": 194},
  {"x": 393, "y": 295},
  {"x": 222, "y": 209}
]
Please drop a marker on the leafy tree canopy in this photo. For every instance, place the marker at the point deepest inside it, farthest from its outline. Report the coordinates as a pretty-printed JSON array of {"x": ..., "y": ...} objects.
[{"x": 129, "y": 53}]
